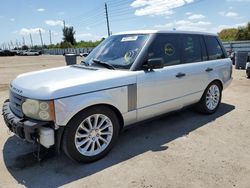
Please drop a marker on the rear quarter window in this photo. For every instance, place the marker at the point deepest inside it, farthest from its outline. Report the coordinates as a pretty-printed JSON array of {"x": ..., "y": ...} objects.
[{"x": 213, "y": 48}]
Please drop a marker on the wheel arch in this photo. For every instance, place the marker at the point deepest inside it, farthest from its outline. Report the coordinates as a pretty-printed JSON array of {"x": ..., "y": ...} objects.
[
  {"x": 218, "y": 81},
  {"x": 215, "y": 80},
  {"x": 62, "y": 128},
  {"x": 112, "y": 107}
]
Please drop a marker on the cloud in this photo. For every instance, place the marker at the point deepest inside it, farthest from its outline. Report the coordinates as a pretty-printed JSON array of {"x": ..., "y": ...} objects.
[
  {"x": 12, "y": 19},
  {"x": 54, "y": 22},
  {"x": 40, "y": 9},
  {"x": 188, "y": 25},
  {"x": 87, "y": 36},
  {"x": 229, "y": 14},
  {"x": 238, "y": 0},
  {"x": 196, "y": 17},
  {"x": 55, "y": 33},
  {"x": 157, "y": 7},
  {"x": 27, "y": 31},
  {"x": 61, "y": 13},
  {"x": 221, "y": 27}
]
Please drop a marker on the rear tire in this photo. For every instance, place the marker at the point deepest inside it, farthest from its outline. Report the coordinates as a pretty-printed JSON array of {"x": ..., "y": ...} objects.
[
  {"x": 91, "y": 134},
  {"x": 211, "y": 99}
]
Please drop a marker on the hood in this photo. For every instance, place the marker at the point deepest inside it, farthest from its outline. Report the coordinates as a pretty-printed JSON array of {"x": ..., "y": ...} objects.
[{"x": 66, "y": 81}]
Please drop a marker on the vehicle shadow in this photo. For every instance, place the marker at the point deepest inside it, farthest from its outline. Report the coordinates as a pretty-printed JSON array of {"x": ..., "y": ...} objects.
[{"x": 56, "y": 171}]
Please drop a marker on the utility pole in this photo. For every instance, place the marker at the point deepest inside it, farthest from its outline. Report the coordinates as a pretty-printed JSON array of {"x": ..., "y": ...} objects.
[
  {"x": 50, "y": 37},
  {"x": 23, "y": 41},
  {"x": 41, "y": 37},
  {"x": 64, "y": 24},
  {"x": 17, "y": 44},
  {"x": 31, "y": 41},
  {"x": 107, "y": 18},
  {"x": 11, "y": 43}
]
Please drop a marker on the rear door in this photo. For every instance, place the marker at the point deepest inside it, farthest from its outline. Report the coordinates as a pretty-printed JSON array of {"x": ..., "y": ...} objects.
[
  {"x": 195, "y": 66},
  {"x": 219, "y": 66}
]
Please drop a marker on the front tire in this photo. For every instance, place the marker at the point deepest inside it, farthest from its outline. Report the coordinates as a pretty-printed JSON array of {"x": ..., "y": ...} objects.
[
  {"x": 211, "y": 99},
  {"x": 91, "y": 134}
]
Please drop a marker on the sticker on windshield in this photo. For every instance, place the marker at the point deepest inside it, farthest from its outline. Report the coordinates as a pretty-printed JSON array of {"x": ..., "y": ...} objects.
[{"x": 130, "y": 38}]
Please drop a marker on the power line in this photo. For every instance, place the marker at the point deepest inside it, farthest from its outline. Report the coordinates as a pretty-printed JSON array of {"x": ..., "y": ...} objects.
[
  {"x": 90, "y": 19},
  {"x": 96, "y": 9},
  {"x": 119, "y": 2}
]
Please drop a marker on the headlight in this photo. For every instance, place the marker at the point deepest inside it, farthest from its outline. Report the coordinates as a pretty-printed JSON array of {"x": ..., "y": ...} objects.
[{"x": 40, "y": 110}]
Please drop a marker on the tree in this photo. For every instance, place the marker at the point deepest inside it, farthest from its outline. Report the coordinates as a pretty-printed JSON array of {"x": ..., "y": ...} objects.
[
  {"x": 25, "y": 47},
  {"x": 241, "y": 33},
  {"x": 68, "y": 35},
  {"x": 66, "y": 44},
  {"x": 228, "y": 34}
]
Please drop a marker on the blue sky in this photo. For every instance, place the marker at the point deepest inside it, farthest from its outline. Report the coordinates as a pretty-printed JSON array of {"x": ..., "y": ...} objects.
[{"x": 20, "y": 18}]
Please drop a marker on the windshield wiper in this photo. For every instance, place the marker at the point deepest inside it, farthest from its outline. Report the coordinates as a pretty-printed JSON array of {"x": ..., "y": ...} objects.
[
  {"x": 84, "y": 63},
  {"x": 104, "y": 64}
]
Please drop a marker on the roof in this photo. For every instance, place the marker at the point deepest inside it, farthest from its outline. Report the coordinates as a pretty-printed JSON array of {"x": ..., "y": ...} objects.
[{"x": 164, "y": 31}]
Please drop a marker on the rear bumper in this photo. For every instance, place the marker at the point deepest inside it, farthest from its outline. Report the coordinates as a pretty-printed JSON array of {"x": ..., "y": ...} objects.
[{"x": 24, "y": 128}]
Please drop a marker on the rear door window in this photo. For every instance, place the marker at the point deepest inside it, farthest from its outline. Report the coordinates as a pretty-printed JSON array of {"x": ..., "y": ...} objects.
[
  {"x": 213, "y": 48},
  {"x": 166, "y": 47},
  {"x": 191, "y": 48}
]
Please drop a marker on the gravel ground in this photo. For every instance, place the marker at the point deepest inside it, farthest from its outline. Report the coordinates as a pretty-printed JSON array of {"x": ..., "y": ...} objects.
[{"x": 184, "y": 149}]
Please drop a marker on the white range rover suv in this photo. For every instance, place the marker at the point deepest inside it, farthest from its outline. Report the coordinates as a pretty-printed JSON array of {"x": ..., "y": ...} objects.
[{"x": 128, "y": 78}]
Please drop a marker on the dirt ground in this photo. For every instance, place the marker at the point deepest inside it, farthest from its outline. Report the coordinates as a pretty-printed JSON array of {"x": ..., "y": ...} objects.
[{"x": 184, "y": 149}]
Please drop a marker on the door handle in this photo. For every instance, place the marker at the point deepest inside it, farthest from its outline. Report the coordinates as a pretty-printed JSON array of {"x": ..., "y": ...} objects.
[
  {"x": 209, "y": 69},
  {"x": 180, "y": 75}
]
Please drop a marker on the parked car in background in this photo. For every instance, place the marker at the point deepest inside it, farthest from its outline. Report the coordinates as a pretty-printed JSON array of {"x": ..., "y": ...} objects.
[
  {"x": 31, "y": 53},
  {"x": 7, "y": 53},
  {"x": 232, "y": 57},
  {"x": 128, "y": 78},
  {"x": 19, "y": 52},
  {"x": 248, "y": 68}
]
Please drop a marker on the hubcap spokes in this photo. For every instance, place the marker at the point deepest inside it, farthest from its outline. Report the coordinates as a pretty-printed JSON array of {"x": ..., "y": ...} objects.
[
  {"x": 93, "y": 135},
  {"x": 213, "y": 97}
]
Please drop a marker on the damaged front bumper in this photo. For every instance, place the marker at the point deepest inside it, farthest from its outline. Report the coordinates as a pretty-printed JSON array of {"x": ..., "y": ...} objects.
[{"x": 27, "y": 129}]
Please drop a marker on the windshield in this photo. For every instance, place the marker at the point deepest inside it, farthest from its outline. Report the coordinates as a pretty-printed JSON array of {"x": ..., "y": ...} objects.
[{"x": 119, "y": 51}]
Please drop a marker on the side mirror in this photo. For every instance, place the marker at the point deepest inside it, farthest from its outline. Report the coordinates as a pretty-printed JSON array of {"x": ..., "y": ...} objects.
[
  {"x": 156, "y": 63},
  {"x": 84, "y": 54}
]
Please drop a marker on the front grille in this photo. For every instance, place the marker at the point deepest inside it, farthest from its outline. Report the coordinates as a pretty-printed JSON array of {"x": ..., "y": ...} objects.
[{"x": 16, "y": 104}]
